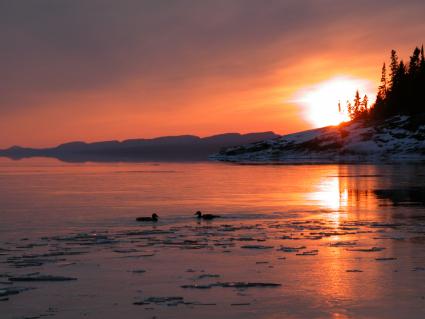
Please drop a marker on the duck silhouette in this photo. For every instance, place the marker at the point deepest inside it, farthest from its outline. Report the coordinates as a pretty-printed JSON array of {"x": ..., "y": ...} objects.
[
  {"x": 154, "y": 218},
  {"x": 205, "y": 216}
]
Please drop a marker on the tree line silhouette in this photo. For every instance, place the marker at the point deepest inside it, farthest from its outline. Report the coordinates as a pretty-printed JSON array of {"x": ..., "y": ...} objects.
[{"x": 401, "y": 90}]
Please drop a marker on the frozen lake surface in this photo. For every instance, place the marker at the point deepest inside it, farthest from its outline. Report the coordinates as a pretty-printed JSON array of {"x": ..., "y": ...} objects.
[{"x": 293, "y": 241}]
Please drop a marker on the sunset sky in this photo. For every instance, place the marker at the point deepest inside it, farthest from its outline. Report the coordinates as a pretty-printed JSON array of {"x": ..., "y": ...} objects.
[{"x": 102, "y": 69}]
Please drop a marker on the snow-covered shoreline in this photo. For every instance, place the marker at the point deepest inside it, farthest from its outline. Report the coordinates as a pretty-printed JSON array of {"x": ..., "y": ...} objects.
[{"x": 395, "y": 140}]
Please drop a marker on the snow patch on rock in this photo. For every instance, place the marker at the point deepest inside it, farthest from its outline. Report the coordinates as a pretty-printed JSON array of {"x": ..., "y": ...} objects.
[{"x": 392, "y": 140}]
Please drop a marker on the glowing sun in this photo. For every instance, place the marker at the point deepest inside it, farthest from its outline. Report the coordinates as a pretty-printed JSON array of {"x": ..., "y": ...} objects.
[{"x": 320, "y": 101}]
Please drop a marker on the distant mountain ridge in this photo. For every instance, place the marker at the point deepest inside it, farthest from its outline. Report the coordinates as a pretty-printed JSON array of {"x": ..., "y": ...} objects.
[{"x": 174, "y": 148}]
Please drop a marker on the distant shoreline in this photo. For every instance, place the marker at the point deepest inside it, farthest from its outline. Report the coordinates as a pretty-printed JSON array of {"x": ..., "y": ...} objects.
[{"x": 167, "y": 148}]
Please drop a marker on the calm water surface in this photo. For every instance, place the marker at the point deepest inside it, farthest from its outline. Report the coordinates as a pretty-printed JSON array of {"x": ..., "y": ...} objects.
[
  {"x": 368, "y": 205},
  {"x": 40, "y": 194}
]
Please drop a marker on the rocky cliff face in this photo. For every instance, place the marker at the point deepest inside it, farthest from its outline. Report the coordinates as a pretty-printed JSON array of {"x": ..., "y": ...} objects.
[{"x": 400, "y": 138}]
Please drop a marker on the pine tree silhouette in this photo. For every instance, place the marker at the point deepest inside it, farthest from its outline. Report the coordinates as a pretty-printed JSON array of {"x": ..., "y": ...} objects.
[
  {"x": 404, "y": 93},
  {"x": 382, "y": 90},
  {"x": 393, "y": 67}
]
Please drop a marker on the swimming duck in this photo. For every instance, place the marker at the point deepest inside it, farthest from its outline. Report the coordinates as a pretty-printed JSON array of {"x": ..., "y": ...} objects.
[
  {"x": 206, "y": 216},
  {"x": 154, "y": 218}
]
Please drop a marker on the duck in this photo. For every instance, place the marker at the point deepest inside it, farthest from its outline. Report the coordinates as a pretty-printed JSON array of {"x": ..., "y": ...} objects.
[
  {"x": 154, "y": 218},
  {"x": 206, "y": 216}
]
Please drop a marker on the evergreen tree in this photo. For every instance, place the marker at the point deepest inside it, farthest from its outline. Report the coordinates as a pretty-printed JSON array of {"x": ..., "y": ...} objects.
[
  {"x": 382, "y": 90},
  {"x": 350, "y": 110},
  {"x": 357, "y": 105},
  {"x": 399, "y": 75},
  {"x": 402, "y": 93},
  {"x": 364, "y": 105},
  {"x": 393, "y": 66},
  {"x": 415, "y": 62},
  {"x": 420, "y": 83}
]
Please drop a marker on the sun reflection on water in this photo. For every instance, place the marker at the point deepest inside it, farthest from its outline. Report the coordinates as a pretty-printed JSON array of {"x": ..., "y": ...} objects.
[
  {"x": 344, "y": 195},
  {"x": 331, "y": 194}
]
